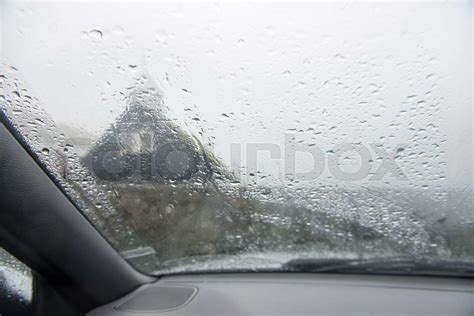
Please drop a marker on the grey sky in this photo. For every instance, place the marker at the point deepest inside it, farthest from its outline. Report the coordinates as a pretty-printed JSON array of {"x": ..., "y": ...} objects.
[{"x": 328, "y": 73}]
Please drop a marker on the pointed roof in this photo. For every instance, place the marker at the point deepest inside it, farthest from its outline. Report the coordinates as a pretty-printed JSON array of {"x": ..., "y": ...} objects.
[{"x": 144, "y": 135}]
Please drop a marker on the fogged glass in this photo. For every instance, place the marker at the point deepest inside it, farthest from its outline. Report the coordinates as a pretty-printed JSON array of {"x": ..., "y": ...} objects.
[{"x": 235, "y": 136}]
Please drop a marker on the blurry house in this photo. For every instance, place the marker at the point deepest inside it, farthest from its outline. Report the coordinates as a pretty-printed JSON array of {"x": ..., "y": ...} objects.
[{"x": 144, "y": 146}]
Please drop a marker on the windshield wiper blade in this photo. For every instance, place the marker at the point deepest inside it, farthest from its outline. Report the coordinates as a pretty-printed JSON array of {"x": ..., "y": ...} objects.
[
  {"x": 137, "y": 253},
  {"x": 387, "y": 265}
]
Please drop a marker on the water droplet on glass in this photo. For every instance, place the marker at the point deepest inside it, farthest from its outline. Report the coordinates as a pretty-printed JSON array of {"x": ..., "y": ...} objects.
[{"x": 96, "y": 34}]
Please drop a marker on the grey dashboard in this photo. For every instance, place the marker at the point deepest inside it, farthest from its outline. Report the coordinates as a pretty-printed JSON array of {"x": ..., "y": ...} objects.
[{"x": 296, "y": 294}]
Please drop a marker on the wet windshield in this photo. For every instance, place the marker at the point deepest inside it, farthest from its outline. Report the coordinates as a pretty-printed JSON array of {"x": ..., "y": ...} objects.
[{"x": 243, "y": 136}]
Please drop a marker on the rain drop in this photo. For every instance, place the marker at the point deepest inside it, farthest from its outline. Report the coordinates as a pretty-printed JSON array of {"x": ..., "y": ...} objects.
[{"x": 96, "y": 35}]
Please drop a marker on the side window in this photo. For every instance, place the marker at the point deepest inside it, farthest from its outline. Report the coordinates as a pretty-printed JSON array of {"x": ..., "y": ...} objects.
[{"x": 16, "y": 285}]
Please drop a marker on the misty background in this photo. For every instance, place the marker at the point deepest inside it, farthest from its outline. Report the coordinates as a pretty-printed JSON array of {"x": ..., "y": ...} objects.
[{"x": 242, "y": 73}]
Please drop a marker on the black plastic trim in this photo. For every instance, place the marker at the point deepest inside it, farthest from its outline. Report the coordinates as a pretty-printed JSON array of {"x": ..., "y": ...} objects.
[{"x": 41, "y": 226}]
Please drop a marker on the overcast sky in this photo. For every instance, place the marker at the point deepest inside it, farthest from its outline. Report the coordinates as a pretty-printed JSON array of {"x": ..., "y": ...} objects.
[{"x": 253, "y": 72}]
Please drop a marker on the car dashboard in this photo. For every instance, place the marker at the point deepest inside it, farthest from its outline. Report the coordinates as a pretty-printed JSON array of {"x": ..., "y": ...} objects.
[{"x": 295, "y": 294}]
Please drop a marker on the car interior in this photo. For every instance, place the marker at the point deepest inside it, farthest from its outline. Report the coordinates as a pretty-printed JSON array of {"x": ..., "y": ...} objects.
[{"x": 61, "y": 252}]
